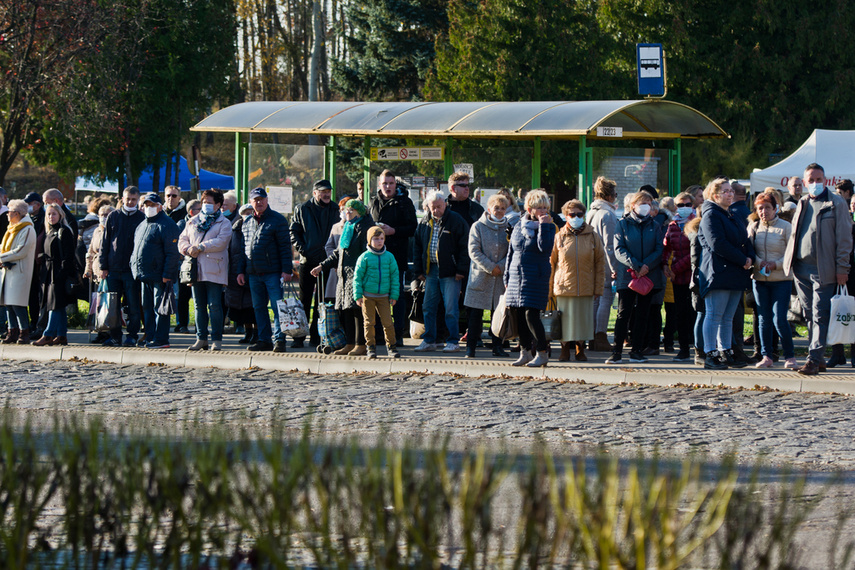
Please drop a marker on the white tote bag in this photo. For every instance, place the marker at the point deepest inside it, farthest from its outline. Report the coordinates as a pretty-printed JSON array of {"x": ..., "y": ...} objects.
[
  {"x": 841, "y": 328},
  {"x": 292, "y": 315}
]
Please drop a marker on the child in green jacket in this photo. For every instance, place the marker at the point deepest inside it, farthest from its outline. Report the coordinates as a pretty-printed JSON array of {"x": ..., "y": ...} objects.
[{"x": 376, "y": 290}]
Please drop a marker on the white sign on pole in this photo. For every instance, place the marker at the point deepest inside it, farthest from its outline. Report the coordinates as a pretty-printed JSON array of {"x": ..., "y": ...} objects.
[
  {"x": 484, "y": 195},
  {"x": 468, "y": 168},
  {"x": 281, "y": 199}
]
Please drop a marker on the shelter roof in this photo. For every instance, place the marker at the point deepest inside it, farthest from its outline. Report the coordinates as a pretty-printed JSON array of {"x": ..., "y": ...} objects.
[{"x": 643, "y": 119}]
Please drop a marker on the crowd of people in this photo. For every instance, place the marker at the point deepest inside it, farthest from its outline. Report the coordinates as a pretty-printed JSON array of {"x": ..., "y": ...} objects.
[{"x": 703, "y": 256}]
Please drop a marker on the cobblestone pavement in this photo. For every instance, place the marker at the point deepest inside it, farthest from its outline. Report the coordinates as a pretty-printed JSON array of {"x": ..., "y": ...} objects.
[{"x": 814, "y": 431}]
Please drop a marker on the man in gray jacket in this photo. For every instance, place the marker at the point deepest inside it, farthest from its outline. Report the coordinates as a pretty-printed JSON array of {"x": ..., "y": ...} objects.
[{"x": 818, "y": 258}]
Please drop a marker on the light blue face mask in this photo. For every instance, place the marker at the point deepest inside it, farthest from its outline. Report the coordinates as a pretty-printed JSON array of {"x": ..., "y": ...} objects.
[
  {"x": 684, "y": 212},
  {"x": 207, "y": 209},
  {"x": 576, "y": 223},
  {"x": 815, "y": 188}
]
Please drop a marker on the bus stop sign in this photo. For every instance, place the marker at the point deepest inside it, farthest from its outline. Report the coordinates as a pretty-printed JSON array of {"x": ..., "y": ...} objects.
[{"x": 651, "y": 69}]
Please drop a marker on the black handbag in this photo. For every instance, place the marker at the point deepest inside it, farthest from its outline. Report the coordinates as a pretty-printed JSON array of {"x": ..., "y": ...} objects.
[
  {"x": 189, "y": 272},
  {"x": 551, "y": 319}
]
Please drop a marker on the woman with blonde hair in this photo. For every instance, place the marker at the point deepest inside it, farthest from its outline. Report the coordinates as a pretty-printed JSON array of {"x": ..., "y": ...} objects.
[
  {"x": 527, "y": 275},
  {"x": 17, "y": 258},
  {"x": 59, "y": 272},
  {"x": 578, "y": 273}
]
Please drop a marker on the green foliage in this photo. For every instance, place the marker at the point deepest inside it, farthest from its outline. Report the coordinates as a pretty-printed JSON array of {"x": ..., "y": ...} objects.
[
  {"x": 391, "y": 47},
  {"x": 203, "y": 497}
]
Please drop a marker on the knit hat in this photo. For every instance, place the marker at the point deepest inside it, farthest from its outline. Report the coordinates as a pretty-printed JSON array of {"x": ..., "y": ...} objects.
[
  {"x": 358, "y": 206},
  {"x": 375, "y": 231}
]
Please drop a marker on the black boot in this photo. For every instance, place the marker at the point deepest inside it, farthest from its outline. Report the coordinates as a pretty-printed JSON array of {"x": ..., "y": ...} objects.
[
  {"x": 714, "y": 361},
  {"x": 838, "y": 356},
  {"x": 700, "y": 356}
]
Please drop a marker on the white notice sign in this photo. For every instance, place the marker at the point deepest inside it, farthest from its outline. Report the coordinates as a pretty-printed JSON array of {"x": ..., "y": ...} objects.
[
  {"x": 281, "y": 199},
  {"x": 610, "y": 132},
  {"x": 468, "y": 168}
]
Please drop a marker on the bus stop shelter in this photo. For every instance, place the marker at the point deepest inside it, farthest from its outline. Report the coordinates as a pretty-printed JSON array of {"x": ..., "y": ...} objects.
[{"x": 588, "y": 122}]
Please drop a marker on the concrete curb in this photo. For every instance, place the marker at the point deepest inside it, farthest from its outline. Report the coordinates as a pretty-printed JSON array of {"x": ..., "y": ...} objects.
[{"x": 843, "y": 382}]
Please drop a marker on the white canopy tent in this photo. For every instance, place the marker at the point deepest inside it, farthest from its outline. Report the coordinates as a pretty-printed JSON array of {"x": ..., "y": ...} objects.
[{"x": 834, "y": 150}]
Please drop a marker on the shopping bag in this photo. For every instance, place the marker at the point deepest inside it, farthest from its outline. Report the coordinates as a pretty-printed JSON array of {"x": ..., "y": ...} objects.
[
  {"x": 292, "y": 316},
  {"x": 329, "y": 321},
  {"x": 417, "y": 289},
  {"x": 841, "y": 326},
  {"x": 551, "y": 319},
  {"x": 167, "y": 303},
  {"x": 417, "y": 330},
  {"x": 641, "y": 285},
  {"x": 503, "y": 324},
  {"x": 108, "y": 312}
]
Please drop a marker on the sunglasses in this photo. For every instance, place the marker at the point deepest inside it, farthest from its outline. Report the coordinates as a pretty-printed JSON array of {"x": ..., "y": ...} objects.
[
  {"x": 172, "y": 195},
  {"x": 685, "y": 205},
  {"x": 461, "y": 185},
  {"x": 575, "y": 215}
]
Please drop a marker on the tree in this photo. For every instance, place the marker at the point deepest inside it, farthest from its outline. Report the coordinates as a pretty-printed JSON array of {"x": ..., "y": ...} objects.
[{"x": 390, "y": 48}]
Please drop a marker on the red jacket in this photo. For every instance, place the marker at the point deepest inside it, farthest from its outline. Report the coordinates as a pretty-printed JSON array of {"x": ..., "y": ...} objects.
[{"x": 677, "y": 244}]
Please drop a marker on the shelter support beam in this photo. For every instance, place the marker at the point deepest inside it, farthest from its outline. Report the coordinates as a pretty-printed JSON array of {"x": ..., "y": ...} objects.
[
  {"x": 329, "y": 164},
  {"x": 535, "y": 164},
  {"x": 675, "y": 161},
  {"x": 366, "y": 168},
  {"x": 449, "y": 158}
]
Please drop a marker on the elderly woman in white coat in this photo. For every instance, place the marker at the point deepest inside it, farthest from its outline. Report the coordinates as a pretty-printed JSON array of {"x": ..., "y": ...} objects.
[
  {"x": 17, "y": 256},
  {"x": 206, "y": 237},
  {"x": 488, "y": 252}
]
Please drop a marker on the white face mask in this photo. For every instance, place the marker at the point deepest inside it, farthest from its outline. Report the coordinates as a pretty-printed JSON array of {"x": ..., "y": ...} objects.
[
  {"x": 29, "y": 209},
  {"x": 815, "y": 189},
  {"x": 207, "y": 209},
  {"x": 102, "y": 220},
  {"x": 129, "y": 208},
  {"x": 150, "y": 211},
  {"x": 576, "y": 223},
  {"x": 642, "y": 209}
]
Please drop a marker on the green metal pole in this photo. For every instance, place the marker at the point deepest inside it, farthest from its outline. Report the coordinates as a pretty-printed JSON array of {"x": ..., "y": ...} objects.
[
  {"x": 244, "y": 169},
  {"x": 238, "y": 178},
  {"x": 589, "y": 176},
  {"x": 366, "y": 167},
  {"x": 329, "y": 164},
  {"x": 678, "y": 182},
  {"x": 535, "y": 165},
  {"x": 581, "y": 191},
  {"x": 449, "y": 158}
]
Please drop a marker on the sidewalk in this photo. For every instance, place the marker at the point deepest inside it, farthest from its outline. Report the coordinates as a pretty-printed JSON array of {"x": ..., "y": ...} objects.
[{"x": 660, "y": 371}]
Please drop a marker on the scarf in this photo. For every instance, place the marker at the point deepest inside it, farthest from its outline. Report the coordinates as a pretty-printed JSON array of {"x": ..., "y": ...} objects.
[
  {"x": 347, "y": 233},
  {"x": 377, "y": 251},
  {"x": 681, "y": 221},
  {"x": 11, "y": 232},
  {"x": 529, "y": 226},
  {"x": 209, "y": 220}
]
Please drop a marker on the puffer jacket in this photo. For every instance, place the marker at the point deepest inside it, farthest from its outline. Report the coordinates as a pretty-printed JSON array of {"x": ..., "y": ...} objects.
[
  {"x": 344, "y": 261},
  {"x": 602, "y": 218},
  {"x": 399, "y": 213},
  {"x": 311, "y": 227},
  {"x": 155, "y": 256},
  {"x": 118, "y": 242},
  {"x": 638, "y": 242},
  {"x": 376, "y": 274},
  {"x": 578, "y": 263},
  {"x": 770, "y": 244},
  {"x": 676, "y": 244},
  {"x": 213, "y": 263},
  {"x": 488, "y": 249},
  {"x": 725, "y": 248},
  {"x": 267, "y": 244},
  {"x": 528, "y": 267},
  {"x": 453, "y": 251}
]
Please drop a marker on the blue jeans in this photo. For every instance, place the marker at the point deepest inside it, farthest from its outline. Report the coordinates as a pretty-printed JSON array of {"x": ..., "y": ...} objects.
[
  {"x": 124, "y": 283},
  {"x": 57, "y": 324},
  {"x": 816, "y": 304},
  {"x": 266, "y": 290},
  {"x": 208, "y": 301},
  {"x": 772, "y": 301},
  {"x": 721, "y": 305},
  {"x": 18, "y": 317},
  {"x": 699, "y": 331},
  {"x": 449, "y": 289},
  {"x": 156, "y": 325}
]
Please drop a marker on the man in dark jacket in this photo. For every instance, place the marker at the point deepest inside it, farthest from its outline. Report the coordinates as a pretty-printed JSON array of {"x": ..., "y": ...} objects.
[
  {"x": 310, "y": 230},
  {"x": 175, "y": 206},
  {"x": 442, "y": 262},
  {"x": 266, "y": 266},
  {"x": 459, "y": 201},
  {"x": 154, "y": 262},
  {"x": 395, "y": 214},
  {"x": 115, "y": 261}
]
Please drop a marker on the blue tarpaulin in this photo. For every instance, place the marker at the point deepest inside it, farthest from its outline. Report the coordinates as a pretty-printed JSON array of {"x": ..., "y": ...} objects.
[{"x": 207, "y": 179}]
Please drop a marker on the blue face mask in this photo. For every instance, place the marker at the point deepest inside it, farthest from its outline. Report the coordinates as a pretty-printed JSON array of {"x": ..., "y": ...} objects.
[
  {"x": 576, "y": 223},
  {"x": 684, "y": 211},
  {"x": 815, "y": 188},
  {"x": 207, "y": 209}
]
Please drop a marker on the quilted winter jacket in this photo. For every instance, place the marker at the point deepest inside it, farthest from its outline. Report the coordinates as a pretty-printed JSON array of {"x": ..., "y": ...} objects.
[
  {"x": 267, "y": 247},
  {"x": 578, "y": 263},
  {"x": 118, "y": 241},
  {"x": 528, "y": 267},
  {"x": 677, "y": 245},
  {"x": 638, "y": 242},
  {"x": 725, "y": 248},
  {"x": 213, "y": 263},
  {"x": 770, "y": 244},
  {"x": 376, "y": 274},
  {"x": 155, "y": 255}
]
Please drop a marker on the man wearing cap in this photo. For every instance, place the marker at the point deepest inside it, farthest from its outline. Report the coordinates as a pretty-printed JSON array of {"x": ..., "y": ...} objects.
[
  {"x": 395, "y": 214},
  {"x": 115, "y": 260},
  {"x": 265, "y": 265},
  {"x": 154, "y": 263},
  {"x": 310, "y": 229}
]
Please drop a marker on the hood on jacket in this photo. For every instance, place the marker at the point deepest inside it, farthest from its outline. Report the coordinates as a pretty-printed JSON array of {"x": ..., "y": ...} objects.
[{"x": 600, "y": 204}]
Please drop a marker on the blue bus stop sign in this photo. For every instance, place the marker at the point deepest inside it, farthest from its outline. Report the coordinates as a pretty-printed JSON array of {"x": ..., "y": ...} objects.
[{"x": 651, "y": 69}]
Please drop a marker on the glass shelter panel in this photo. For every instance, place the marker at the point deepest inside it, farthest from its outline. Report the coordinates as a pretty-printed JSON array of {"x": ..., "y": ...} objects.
[
  {"x": 631, "y": 168},
  {"x": 285, "y": 166}
]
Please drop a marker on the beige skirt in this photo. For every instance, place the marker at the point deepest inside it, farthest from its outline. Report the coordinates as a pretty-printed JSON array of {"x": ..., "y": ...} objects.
[{"x": 577, "y": 318}]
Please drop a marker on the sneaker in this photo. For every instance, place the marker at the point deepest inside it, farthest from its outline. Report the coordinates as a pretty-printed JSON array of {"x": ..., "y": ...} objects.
[
  {"x": 715, "y": 361},
  {"x": 615, "y": 358},
  {"x": 260, "y": 346},
  {"x": 791, "y": 363},
  {"x": 683, "y": 357},
  {"x": 129, "y": 342},
  {"x": 142, "y": 342},
  {"x": 298, "y": 343},
  {"x": 372, "y": 352},
  {"x": 451, "y": 347},
  {"x": 765, "y": 362},
  {"x": 733, "y": 361},
  {"x": 110, "y": 343},
  {"x": 637, "y": 357},
  {"x": 393, "y": 352},
  {"x": 182, "y": 330},
  {"x": 650, "y": 352},
  {"x": 154, "y": 344},
  {"x": 425, "y": 346},
  {"x": 279, "y": 346}
]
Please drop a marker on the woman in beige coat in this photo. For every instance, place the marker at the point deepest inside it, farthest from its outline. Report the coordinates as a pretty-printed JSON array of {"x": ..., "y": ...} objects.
[
  {"x": 17, "y": 256},
  {"x": 578, "y": 275}
]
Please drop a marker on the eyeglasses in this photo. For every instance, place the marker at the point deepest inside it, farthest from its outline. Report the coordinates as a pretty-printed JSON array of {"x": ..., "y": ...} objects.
[
  {"x": 685, "y": 205},
  {"x": 575, "y": 215},
  {"x": 172, "y": 195},
  {"x": 728, "y": 191},
  {"x": 462, "y": 185}
]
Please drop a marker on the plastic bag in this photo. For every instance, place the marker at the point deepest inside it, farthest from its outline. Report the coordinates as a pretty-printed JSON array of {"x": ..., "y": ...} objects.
[
  {"x": 292, "y": 315},
  {"x": 108, "y": 311},
  {"x": 841, "y": 326},
  {"x": 503, "y": 323}
]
